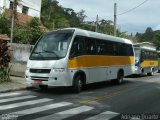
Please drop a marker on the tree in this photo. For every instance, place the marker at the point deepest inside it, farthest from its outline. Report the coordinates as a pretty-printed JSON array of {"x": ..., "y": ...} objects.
[
  {"x": 81, "y": 15},
  {"x": 4, "y": 25},
  {"x": 28, "y": 34},
  {"x": 106, "y": 27},
  {"x": 61, "y": 23},
  {"x": 54, "y": 15},
  {"x": 148, "y": 36},
  {"x": 34, "y": 30},
  {"x": 157, "y": 40}
]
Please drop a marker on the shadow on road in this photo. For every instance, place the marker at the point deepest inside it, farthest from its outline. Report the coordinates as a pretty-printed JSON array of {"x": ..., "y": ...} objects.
[{"x": 87, "y": 88}]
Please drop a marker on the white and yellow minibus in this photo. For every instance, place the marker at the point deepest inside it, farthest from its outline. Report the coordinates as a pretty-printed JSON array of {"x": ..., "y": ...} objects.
[
  {"x": 146, "y": 61},
  {"x": 75, "y": 57}
]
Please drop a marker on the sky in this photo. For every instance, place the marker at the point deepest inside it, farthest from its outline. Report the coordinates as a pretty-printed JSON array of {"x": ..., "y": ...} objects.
[{"x": 137, "y": 20}]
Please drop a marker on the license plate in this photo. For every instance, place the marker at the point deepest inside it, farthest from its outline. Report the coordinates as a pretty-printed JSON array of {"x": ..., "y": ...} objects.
[{"x": 38, "y": 82}]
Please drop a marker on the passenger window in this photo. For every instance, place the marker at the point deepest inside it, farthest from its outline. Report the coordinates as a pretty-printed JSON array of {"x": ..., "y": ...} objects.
[
  {"x": 78, "y": 46},
  {"x": 101, "y": 47},
  {"x": 144, "y": 55},
  {"x": 122, "y": 49},
  {"x": 129, "y": 50},
  {"x": 110, "y": 48},
  {"x": 115, "y": 48},
  {"x": 90, "y": 46}
]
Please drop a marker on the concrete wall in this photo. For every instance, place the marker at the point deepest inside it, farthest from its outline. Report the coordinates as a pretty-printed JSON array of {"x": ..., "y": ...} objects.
[{"x": 20, "y": 54}]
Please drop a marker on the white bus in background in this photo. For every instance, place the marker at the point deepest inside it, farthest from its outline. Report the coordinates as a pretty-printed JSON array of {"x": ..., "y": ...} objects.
[
  {"x": 75, "y": 57},
  {"x": 146, "y": 60}
]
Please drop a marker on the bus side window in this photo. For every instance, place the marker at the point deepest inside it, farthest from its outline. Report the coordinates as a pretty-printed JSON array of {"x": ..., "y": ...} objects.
[
  {"x": 155, "y": 56},
  {"x": 101, "y": 47},
  {"x": 77, "y": 46},
  {"x": 122, "y": 49},
  {"x": 90, "y": 46},
  {"x": 129, "y": 51},
  {"x": 144, "y": 55}
]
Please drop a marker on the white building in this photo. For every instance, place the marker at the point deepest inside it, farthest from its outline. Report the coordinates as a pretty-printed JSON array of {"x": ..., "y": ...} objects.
[{"x": 28, "y": 7}]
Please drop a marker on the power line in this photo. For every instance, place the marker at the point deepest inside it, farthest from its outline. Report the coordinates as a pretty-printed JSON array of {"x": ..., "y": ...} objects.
[
  {"x": 123, "y": 12},
  {"x": 133, "y": 8}
]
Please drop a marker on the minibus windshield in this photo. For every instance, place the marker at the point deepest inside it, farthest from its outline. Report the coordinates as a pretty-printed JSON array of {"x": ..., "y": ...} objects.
[
  {"x": 137, "y": 53},
  {"x": 52, "y": 46}
]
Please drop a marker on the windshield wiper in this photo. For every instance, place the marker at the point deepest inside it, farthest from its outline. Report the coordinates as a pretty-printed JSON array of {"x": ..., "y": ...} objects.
[
  {"x": 39, "y": 53},
  {"x": 52, "y": 53}
]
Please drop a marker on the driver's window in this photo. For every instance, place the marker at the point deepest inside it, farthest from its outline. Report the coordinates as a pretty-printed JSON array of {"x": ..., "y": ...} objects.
[{"x": 78, "y": 46}]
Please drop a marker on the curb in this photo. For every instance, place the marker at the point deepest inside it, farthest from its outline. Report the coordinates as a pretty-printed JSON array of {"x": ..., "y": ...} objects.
[{"x": 16, "y": 89}]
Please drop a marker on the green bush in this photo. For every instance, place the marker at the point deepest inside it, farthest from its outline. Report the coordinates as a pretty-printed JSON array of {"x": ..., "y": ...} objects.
[
  {"x": 28, "y": 34},
  {"x": 5, "y": 74},
  {"x": 4, "y": 25}
]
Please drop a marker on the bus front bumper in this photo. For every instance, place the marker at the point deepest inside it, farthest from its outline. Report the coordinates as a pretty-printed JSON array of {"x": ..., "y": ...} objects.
[{"x": 51, "y": 80}]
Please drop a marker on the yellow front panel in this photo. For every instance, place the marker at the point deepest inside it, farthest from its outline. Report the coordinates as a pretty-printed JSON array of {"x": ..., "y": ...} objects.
[
  {"x": 149, "y": 63},
  {"x": 100, "y": 61}
]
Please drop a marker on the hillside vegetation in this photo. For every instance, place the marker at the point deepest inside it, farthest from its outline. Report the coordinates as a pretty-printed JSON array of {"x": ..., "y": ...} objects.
[{"x": 54, "y": 16}]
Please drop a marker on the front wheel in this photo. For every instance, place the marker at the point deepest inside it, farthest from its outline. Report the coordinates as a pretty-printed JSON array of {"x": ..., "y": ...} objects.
[
  {"x": 151, "y": 73},
  {"x": 77, "y": 85},
  {"x": 119, "y": 79}
]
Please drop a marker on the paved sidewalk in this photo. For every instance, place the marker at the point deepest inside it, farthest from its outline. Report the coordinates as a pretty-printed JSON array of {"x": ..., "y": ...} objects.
[{"x": 17, "y": 83}]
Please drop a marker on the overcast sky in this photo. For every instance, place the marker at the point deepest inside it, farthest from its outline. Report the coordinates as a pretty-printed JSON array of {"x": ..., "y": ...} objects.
[{"x": 137, "y": 20}]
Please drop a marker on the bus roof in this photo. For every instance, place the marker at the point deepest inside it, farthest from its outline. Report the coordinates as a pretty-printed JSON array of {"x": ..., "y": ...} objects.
[
  {"x": 143, "y": 48},
  {"x": 98, "y": 35}
]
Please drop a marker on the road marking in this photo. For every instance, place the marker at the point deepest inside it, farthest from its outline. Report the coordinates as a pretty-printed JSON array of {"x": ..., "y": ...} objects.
[
  {"x": 10, "y": 106},
  {"x": 104, "y": 116},
  {"x": 16, "y": 98},
  {"x": 40, "y": 109},
  {"x": 66, "y": 114},
  {"x": 9, "y": 94},
  {"x": 98, "y": 98}
]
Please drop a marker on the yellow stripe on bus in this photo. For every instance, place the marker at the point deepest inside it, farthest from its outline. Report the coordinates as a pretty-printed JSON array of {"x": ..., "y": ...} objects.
[
  {"x": 100, "y": 61},
  {"x": 149, "y": 63}
]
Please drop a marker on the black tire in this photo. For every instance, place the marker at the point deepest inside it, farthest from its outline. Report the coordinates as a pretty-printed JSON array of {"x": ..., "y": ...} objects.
[
  {"x": 119, "y": 79},
  {"x": 151, "y": 73},
  {"x": 77, "y": 85},
  {"x": 43, "y": 87}
]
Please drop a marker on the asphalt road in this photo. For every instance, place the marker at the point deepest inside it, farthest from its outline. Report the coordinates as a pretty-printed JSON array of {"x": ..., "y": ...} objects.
[{"x": 136, "y": 99}]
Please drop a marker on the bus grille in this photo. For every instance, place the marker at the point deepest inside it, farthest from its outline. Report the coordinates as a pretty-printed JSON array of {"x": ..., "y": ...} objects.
[
  {"x": 39, "y": 78},
  {"x": 40, "y": 70}
]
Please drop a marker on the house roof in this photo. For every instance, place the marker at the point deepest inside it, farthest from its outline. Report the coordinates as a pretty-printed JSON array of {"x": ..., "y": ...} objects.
[
  {"x": 22, "y": 19},
  {"x": 4, "y": 37}
]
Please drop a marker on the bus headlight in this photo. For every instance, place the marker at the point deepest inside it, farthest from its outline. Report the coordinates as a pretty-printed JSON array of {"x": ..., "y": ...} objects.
[
  {"x": 59, "y": 69},
  {"x": 136, "y": 68}
]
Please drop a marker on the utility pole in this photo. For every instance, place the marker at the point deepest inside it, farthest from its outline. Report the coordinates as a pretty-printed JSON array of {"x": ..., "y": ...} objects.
[
  {"x": 115, "y": 19},
  {"x": 97, "y": 19},
  {"x": 12, "y": 26},
  {"x": 13, "y": 12}
]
